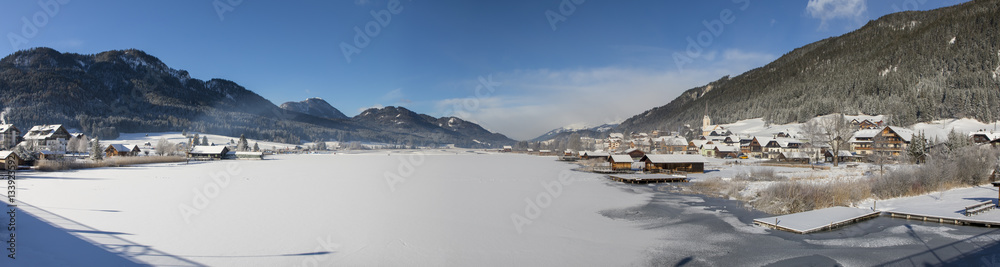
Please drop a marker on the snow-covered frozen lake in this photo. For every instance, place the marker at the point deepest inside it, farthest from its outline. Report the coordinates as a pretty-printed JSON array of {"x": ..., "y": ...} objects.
[{"x": 432, "y": 209}]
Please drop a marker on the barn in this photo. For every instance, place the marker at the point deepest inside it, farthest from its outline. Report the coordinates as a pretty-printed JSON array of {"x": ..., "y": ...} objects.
[
  {"x": 120, "y": 150},
  {"x": 674, "y": 163},
  {"x": 10, "y": 160},
  {"x": 620, "y": 162},
  {"x": 208, "y": 152}
]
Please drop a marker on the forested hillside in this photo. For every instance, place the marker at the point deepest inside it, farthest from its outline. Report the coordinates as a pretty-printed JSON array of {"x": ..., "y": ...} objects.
[
  {"x": 130, "y": 91},
  {"x": 914, "y": 66}
]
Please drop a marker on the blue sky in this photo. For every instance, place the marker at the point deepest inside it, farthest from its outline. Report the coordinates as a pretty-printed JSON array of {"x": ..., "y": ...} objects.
[{"x": 603, "y": 62}]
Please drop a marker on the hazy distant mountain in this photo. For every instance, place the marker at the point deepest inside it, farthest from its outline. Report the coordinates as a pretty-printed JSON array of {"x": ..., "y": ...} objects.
[
  {"x": 584, "y": 131},
  {"x": 914, "y": 66},
  {"x": 400, "y": 119},
  {"x": 316, "y": 107},
  {"x": 130, "y": 91}
]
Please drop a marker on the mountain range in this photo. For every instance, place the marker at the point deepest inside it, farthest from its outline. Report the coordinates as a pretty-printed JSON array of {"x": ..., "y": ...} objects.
[
  {"x": 130, "y": 91},
  {"x": 914, "y": 66}
]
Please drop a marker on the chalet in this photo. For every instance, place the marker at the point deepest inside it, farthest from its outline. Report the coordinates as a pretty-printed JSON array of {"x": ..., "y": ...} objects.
[
  {"x": 50, "y": 139},
  {"x": 893, "y": 140},
  {"x": 10, "y": 160},
  {"x": 843, "y": 156},
  {"x": 727, "y": 152},
  {"x": 775, "y": 147},
  {"x": 869, "y": 123},
  {"x": 672, "y": 145},
  {"x": 863, "y": 141},
  {"x": 9, "y": 136},
  {"x": 756, "y": 147},
  {"x": 984, "y": 137},
  {"x": 120, "y": 150},
  {"x": 568, "y": 153},
  {"x": 545, "y": 152},
  {"x": 208, "y": 152},
  {"x": 794, "y": 157},
  {"x": 674, "y": 163},
  {"x": 620, "y": 162},
  {"x": 635, "y": 153},
  {"x": 694, "y": 146},
  {"x": 508, "y": 149}
]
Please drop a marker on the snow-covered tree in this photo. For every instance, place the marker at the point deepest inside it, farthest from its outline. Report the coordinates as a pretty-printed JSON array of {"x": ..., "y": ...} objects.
[
  {"x": 256, "y": 148},
  {"x": 242, "y": 145},
  {"x": 918, "y": 148},
  {"x": 164, "y": 147},
  {"x": 96, "y": 151},
  {"x": 204, "y": 140}
]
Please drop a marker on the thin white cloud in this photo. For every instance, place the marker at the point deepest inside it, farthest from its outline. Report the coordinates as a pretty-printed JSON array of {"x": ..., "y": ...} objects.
[
  {"x": 827, "y": 10},
  {"x": 528, "y": 103}
]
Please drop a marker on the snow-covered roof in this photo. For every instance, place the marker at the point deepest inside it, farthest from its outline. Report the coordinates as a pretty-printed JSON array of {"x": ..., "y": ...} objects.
[
  {"x": 673, "y": 141},
  {"x": 7, "y": 127},
  {"x": 698, "y": 143},
  {"x": 5, "y": 154},
  {"x": 904, "y": 133},
  {"x": 867, "y": 133},
  {"x": 621, "y": 158},
  {"x": 727, "y": 149},
  {"x": 796, "y": 155},
  {"x": 597, "y": 154},
  {"x": 208, "y": 149},
  {"x": 123, "y": 147},
  {"x": 616, "y": 135},
  {"x": 989, "y": 135},
  {"x": 508, "y": 147},
  {"x": 43, "y": 131},
  {"x": 708, "y": 146},
  {"x": 675, "y": 158}
]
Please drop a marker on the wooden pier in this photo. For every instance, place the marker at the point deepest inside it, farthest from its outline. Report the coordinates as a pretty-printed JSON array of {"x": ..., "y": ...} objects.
[
  {"x": 817, "y": 220},
  {"x": 648, "y": 178},
  {"x": 942, "y": 219}
]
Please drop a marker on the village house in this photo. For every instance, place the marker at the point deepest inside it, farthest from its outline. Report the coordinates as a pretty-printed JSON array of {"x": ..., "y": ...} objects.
[
  {"x": 49, "y": 139},
  {"x": 724, "y": 152},
  {"x": 120, "y": 150},
  {"x": 635, "y": 153},
  {"x": 983, "y": 137},
  {"x": 674, "y": 163},
  {"x": 620, "y": 162},
  {"x": 507, "y": 149},
  {"x": 775, "y": 147},
  {"x": 843, "y": 156},
  {"x": 889, "y": 140},
  {"x": 208, "y": 152},
  {"x": 671, "y": 145},
  {"x": 9, "y": 136},
  {"x": 794, "y": 157},
  {"x": 708, "y": 150},
  {"x": 694, "y": 146}
]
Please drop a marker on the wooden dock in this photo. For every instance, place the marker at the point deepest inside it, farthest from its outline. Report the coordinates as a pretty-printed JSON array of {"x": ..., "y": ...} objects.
[
  {"x": 648, "y": 178},
  {"x": 967, "y": 220},
  {"x": 817, "y": 220}
]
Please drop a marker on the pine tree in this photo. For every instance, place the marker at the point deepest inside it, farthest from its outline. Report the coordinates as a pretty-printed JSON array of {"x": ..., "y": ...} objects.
[
  {"x": 255, "y": 147},
  {"x": 96, "y": 153},
  {"x": 917, "y": 148},
  {"x": 204, "y": 140}
]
